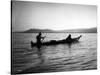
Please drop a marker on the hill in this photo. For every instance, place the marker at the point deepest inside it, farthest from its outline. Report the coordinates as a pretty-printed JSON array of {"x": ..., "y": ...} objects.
[
  {"x": 88, "y": 30},
  {"x": 38, "y": 30}
]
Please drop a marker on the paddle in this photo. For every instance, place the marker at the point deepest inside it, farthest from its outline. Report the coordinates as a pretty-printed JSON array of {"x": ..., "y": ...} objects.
[{"x": 43, "y": 38}]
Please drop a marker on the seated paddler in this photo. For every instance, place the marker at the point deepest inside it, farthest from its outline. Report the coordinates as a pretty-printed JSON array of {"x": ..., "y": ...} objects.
[{"x": 69, "y": 37}]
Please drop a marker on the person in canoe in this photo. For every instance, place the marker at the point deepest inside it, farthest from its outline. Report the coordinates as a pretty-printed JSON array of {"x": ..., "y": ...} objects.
[
  {"x": 68, "y": 39},
  {"x": 39, "y": 39}
]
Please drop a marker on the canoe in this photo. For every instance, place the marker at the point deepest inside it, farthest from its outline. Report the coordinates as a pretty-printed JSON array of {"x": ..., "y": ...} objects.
[{"x": 55, "y": 42}]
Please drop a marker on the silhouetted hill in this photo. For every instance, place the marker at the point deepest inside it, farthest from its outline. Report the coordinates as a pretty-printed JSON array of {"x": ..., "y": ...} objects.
[
  {"x": 38, "y": 30},
  {"x": 89, "y": 30}
]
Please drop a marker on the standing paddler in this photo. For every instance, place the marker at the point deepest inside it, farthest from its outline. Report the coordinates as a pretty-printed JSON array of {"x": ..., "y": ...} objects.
[
  {"x": 39, "y": 42},
  {"x": 39, "y": 39}
]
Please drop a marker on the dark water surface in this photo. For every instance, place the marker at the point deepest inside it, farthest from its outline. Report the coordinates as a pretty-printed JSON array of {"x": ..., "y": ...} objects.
[{"x": 62, "y": 57}]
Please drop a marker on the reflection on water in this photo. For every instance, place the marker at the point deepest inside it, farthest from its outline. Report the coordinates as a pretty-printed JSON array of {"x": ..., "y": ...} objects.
[
  {"x": 40, "y": 55},
  {"x": 62, "y": 57}
]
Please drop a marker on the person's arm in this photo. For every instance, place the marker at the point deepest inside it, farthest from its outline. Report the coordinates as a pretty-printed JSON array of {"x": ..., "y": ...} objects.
[{"x": 43, "y": 37}]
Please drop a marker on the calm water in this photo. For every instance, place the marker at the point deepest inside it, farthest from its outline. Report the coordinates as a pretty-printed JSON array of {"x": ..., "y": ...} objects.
[{"x": 62, "y": 57}]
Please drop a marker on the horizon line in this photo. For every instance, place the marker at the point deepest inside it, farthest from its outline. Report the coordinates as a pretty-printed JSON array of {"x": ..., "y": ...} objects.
[{"x": 52, "y": 29}]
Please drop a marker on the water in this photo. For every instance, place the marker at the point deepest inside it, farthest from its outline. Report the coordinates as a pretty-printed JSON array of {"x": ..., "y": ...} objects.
[{"x": 62, "y": 57}]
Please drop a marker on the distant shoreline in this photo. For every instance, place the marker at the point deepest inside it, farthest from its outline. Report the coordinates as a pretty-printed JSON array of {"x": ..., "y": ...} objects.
[{"x": 87, "y": 30}]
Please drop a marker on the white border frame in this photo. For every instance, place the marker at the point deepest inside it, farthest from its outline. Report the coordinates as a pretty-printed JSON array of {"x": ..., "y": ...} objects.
[{"x": 5, "y": 35}]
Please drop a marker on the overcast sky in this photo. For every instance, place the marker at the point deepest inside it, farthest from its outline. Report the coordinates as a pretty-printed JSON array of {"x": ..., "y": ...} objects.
[{"x": 56, "y": 16}]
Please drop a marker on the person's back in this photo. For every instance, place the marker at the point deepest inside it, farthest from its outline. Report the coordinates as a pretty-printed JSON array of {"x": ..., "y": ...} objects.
[
  {"x": 38, "y": 39},
  {"x": 69, "y": 37}
]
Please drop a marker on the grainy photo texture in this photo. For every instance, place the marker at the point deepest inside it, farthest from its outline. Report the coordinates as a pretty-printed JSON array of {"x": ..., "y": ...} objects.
[{"x": 52, "y": 37}]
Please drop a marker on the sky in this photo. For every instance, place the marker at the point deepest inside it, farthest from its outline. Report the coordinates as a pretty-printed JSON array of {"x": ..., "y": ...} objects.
[{"x": 55, "y": 16}]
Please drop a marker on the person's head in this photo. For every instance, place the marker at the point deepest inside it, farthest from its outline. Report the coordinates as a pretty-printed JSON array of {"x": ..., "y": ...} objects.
[
  {"x": 39, "y": 33},
  {"x": 70, "y": 35}
]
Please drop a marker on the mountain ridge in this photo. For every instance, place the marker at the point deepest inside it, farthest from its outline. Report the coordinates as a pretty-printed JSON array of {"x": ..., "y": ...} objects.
[{"x": 86, "y": 30}]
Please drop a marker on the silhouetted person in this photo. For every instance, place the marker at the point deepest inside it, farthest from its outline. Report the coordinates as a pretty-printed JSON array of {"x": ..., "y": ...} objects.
[
  {"x": 39, "y": 39},
  {"x": 69, "y": 37}
]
